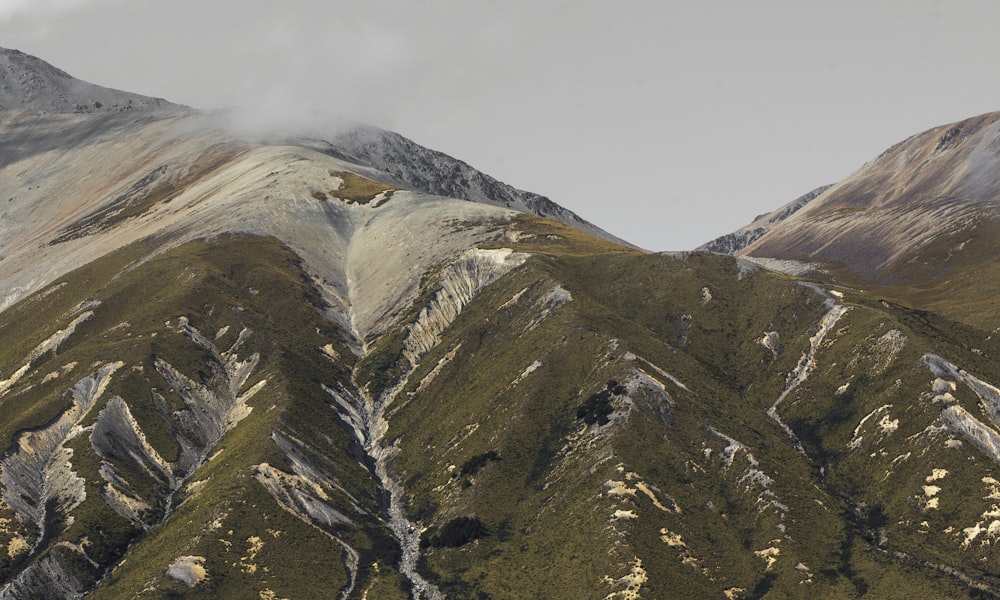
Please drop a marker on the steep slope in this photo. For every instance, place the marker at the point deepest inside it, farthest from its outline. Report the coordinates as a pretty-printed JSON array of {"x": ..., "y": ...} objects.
[
  {"x": 736, "y": 241},
  {"x": 437, "y": 173},
  {"x": 237, "y": 369},
  {"x": 613, "y": 425},
  {"x": 29, "y": 82},
  {"x": 919, "y": 221},
  {"x": 553, "y": 416}
]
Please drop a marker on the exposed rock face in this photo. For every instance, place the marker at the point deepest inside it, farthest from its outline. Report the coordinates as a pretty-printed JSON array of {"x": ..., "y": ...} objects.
[
  {"x": 38, "y": 478},
  {"x": 211, "y": 408},
  {"x": 459, "y": 283},
  {"x": 38, "y": 475},
  {"x": 955, "y": 417},
  {"x": 439, "y": 174}
]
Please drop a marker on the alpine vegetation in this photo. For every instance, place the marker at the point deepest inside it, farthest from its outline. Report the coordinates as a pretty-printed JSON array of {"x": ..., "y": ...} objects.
[{"x": 236, "y": 367}]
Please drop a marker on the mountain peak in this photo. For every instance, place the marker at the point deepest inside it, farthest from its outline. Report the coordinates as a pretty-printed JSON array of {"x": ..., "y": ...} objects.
[{"x": 28, "y": 82}]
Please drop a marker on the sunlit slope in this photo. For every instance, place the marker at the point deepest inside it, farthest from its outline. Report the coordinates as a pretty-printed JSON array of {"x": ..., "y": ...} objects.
[
  {"x": 918, "y": 222},
  {"x": 192, "y": 385},
  {"x": 551, "y": 415},
  {"x": 597, "y": 426}
]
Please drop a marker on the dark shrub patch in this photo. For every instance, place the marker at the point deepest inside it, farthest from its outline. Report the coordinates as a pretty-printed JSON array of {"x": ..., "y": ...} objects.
[
  {"x": 472, "y": 466},
  {"x": 598, "y": 407},
  {"x": 455, "y": 533}
]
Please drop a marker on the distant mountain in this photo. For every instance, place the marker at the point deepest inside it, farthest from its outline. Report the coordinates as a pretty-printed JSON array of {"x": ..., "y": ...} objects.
[
  {"x": 356, "y": 368},
  {"x": 732, "y": 243},
  {"x": 29, "y": 82},
  {"x": 919, "y": 222}
]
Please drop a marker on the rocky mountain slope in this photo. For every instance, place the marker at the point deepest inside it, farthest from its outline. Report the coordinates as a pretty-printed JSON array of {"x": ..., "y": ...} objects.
[
  {"x": 437, "y": 173},
  {"x": 29, "y": 82},
  {"x": 919, "y": 222},
  {"x": 237, "y": 369},
  {"x": 736, "y": 241}
]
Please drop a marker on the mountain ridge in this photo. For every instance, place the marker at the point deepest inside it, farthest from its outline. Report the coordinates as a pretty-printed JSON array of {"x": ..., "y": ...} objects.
[
  {"x": 917, "y": 223},
  {"x": 734, "y": 242},
  {"x": 30, "y": 82},
  {"x": 235, "y": 368}
]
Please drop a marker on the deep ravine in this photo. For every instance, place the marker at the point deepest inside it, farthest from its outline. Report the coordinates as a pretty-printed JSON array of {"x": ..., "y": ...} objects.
[
  {"x": 807, "y": 361},
  {"x": 370, "y": 426}
]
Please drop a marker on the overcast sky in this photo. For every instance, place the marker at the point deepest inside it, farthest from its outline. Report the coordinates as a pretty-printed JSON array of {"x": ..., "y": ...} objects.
[{"x": 666, "y": 123}]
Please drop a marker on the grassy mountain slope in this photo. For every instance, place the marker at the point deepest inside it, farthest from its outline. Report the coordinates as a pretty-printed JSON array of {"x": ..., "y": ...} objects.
[
  {"x": 216, "y": 510},
  {"x": 593, "y": 423},
  {"x": 233, "y": 369},
  {"x": 685, "y": 483}
]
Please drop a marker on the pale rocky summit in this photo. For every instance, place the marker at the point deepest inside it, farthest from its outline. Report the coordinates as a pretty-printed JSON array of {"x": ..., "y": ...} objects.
[{"x": 28, "y": 82}]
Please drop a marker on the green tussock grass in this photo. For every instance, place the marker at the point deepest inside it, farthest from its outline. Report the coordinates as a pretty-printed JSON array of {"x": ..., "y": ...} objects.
[{"x": 360, "y": 190}]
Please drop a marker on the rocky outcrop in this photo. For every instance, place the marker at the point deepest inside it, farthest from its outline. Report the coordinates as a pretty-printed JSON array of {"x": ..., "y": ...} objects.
[
  {"x": 956, "y": 418},
  {"x": 212, "y": 407},
  {"x": 307, "y": 493},
  {"x": 29, "y": 82},
  {"x": 437, "y": 173},
  {"x": 459, "y": 283},
  {"x": 37, "y": 473},
  {"x": 38, "y": 477},
  {"x": 51, "y": 344}
]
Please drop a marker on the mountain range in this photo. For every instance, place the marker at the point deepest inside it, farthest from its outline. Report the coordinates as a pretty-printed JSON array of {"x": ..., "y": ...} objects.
[{"x": 342, "y": 365}]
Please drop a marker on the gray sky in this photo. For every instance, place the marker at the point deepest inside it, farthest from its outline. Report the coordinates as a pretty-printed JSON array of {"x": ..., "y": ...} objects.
[{"x": 666, "y": 123}]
